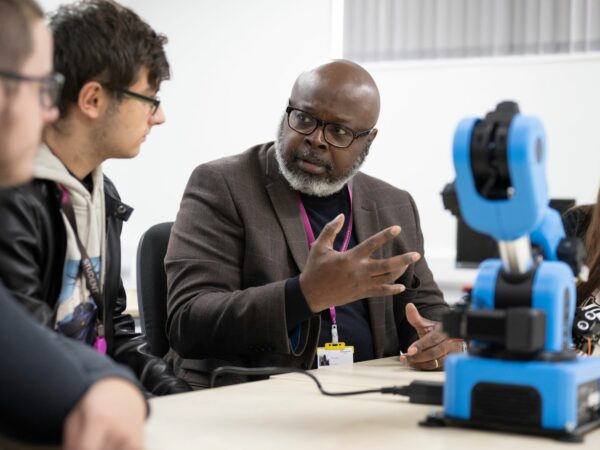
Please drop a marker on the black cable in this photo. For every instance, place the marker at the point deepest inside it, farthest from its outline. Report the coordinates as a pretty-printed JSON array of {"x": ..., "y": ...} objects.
[
  {"x": 421, "y": 392},
  {"x": 277, "y": 371}
]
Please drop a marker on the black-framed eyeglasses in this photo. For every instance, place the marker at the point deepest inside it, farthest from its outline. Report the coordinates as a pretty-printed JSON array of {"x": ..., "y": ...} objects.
[
  {"x": 50, "y": 86},
  {"x": 154, "y": 101},
  {"x": 335, "y": 134}
]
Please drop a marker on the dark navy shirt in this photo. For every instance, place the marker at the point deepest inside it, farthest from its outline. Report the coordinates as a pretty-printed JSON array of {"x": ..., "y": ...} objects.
[{"x": 352, "y": 319}]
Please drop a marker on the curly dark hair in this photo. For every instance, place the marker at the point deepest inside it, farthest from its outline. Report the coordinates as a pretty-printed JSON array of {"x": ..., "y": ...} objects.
[
  {"x": 104, "y": 41},
  {"x": 16, "y": 43}
]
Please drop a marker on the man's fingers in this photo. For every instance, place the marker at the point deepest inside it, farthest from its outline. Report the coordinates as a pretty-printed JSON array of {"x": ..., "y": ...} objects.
[
  {"x": 435, "y": 352},
  {"x": 389, "y": 270},
  {"x": 385, "y": 278},
  {"x": 395, "y": 264},
  {"x": 366, "y": 248},
  {"x": 456, "y": 346},
  {"x": 435, "y": 364},
  {"x": 419, "y": 323},
  {"x": 429, "y": 340},
  {"x": 330, "y": 231},
  {"x": 385, "y": 290}
]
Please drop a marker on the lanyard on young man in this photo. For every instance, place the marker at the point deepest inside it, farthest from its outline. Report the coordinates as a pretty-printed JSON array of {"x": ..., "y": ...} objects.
[
  {"x": 87, "y": 268},
  {"x": 311, "y": 239}
]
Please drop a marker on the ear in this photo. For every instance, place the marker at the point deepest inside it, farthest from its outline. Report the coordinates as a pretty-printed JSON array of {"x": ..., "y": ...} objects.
[
  {"x": 92, "y": 99},
  {"x": 372, "y": 135}
]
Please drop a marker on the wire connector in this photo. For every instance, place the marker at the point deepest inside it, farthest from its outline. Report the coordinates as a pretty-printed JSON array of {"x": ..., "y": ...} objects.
[{"x": 419, "y": 392}]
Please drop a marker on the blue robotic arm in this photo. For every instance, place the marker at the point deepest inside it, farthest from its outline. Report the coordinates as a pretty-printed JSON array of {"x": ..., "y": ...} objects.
[
  {"x": 500, "y": 173},
  {"x": 519, "y": 320}
]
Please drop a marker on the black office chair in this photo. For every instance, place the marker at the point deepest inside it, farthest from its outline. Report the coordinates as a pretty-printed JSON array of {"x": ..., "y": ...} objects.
[{"x": 152, "y": 286}]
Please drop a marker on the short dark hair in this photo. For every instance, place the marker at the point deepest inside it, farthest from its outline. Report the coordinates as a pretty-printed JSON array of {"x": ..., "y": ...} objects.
[
  {"x": 104, "y": 41},
  {"x": 16, "y": 41}
]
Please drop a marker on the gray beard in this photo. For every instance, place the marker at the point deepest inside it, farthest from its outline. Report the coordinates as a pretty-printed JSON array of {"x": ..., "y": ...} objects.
[{"x": 311, "y": 184}]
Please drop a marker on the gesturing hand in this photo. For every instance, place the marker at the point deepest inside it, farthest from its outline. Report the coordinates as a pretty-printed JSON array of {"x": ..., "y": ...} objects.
[
  {"x": 430, "y": 350},
  {"x": 331, "y": 278}
]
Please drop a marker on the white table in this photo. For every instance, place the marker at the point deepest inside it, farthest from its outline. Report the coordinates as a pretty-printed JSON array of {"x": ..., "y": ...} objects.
[{"x": 288, "y": 412}]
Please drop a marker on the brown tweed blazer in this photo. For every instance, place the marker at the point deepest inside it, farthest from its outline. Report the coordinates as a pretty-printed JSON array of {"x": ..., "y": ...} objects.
[{"x": 238, "y": 237}]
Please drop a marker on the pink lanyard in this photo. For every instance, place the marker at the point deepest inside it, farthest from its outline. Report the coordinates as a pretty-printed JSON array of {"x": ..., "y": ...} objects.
[{"x": 311, "y": 239}]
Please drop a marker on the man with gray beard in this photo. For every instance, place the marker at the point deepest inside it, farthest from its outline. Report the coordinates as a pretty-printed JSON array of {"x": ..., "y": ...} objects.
[{"x": 287, "y": 247}]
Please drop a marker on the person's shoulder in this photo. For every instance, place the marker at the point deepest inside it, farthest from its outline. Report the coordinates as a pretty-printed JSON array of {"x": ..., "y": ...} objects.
[
  {"x": 380, "y": 190},
  {"x": 34, "y": 194},
  {"x": 239, "y": 165},
  {"x": 110, "y": 188},
  {"x": 115, "y": 207}
]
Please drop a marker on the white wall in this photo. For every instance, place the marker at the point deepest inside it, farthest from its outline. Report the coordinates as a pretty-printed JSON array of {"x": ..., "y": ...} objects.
[
  {"x": 423, "y": 102},
  {"x": 233, "y": 65},
  {"x": 231, "y": 55}
]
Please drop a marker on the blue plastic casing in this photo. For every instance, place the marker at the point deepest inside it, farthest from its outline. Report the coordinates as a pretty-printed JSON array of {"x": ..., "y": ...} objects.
[
  {"x": 509, "y": 219},
  {"x": 557, "y": 384},
  {"x": 553, "y": 292},
  {"x": 549, "y": 233}
]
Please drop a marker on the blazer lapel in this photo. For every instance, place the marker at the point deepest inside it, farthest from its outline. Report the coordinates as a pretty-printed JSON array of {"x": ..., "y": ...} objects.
[
  {"x": 285, "y": 204},
  {"x": 366, "y": 224}
]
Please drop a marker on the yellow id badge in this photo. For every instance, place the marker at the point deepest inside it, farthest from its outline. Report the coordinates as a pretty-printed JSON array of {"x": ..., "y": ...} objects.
[{"x": 335, "y": 354}]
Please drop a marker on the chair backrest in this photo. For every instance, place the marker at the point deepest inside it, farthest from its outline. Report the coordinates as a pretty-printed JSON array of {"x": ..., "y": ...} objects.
[{"x": 152, "y": 286}]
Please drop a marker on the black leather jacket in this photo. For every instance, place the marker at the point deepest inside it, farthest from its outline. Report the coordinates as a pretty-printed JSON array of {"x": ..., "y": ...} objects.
[{"x": 32, "y": 256}]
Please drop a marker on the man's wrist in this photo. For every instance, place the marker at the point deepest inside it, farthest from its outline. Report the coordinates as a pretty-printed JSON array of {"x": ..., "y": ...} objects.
[
  {"x": 296, "y": 306},
  {"x": 312, "y": 303}
]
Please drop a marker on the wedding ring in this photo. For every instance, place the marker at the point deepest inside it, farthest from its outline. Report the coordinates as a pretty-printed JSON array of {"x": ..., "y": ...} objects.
[{"x": 437, "y": 364}]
